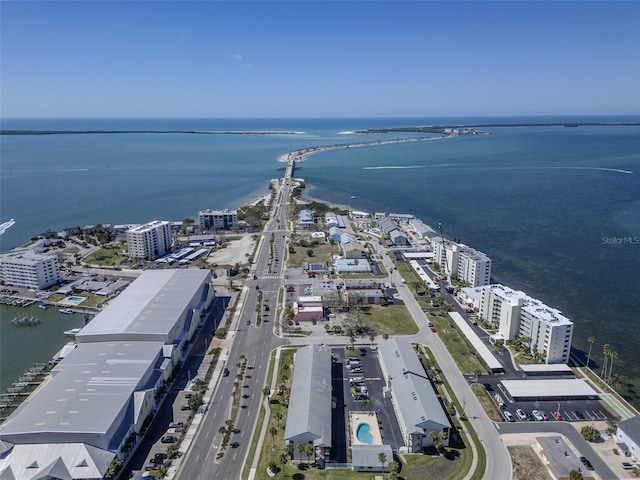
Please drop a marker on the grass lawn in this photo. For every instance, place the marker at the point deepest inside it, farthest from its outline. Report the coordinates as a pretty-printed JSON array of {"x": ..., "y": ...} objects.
[
  {"x": 392, "y": 319},
  {"x": 321, "y": 254},
  {"x": 105, "y": 257},
  {"x": 92, "y": 300},
  {"x": 455, "y": 342},
  {"x": 418, "y": 467},
  {"x": 487, "y": 403}
]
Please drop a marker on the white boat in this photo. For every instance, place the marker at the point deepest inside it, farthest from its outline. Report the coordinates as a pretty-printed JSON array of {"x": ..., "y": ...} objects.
[
  {"x": 6, "y": 225},
  {"x": 43, "y": 306},
  {"x": 73, "y": 332},
  {"x": 66, "y": 310}
]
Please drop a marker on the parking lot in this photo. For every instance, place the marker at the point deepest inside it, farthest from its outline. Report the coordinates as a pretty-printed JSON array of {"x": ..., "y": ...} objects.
[
  {"x": 571, "y": 410},
  {"x": 369, "y": 376}
]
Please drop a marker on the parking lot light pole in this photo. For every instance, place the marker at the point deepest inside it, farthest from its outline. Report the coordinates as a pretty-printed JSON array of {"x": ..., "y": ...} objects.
[{"x": 558, "y": 408}]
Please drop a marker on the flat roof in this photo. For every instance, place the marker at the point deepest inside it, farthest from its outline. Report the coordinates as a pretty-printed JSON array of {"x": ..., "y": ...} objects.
[
  {"x": 87, "y": 393},
  {"x": 149, "y": 308},
  {"x": 549, "y": 388},
  {"x": 538, "y": 368},
  {"x": 488, "y": 357}
]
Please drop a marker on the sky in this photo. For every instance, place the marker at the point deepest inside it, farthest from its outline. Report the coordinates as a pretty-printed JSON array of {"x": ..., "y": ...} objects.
[{"x": 318, "y": 59}]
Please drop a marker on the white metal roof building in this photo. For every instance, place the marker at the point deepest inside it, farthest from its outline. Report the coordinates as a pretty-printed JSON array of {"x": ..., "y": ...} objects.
[
  {"x": 549, "y": 389},
  {"x": 348, "y": 265},
  {"x": 484, "y": 352},
  {"x": 309, "y": 416},
  {"x": 160, "y": 305},
  {"x": 415, "y": 402},
  {"x": 97, "y": 397}
]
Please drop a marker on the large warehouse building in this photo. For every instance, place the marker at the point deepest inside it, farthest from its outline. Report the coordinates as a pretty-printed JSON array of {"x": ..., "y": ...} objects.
[{"x": 96, "y": 400}]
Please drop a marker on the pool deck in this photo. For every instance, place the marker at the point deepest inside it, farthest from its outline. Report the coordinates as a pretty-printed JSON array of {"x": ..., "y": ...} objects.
[{"x": 371, "y": 419}]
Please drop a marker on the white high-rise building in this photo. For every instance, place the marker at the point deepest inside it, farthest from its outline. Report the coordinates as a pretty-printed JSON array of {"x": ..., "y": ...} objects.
[
  {"x": 550, "y": 331},
  {"x": 150, "y": 241},
  {"x": 26, "y": 268},
  {"x": 218, "y": 219},
  {"x": 515, "y": 314},
  {"x": 461, "y": 261}
]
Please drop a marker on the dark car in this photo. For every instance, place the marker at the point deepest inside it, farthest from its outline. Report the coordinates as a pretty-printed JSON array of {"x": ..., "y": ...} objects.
[
  {"x": 257, "y": 287},
  {"x": 225, "y": 372},
  {"x": 585, "y": 461},
  {"x": 169, "y": 439}
]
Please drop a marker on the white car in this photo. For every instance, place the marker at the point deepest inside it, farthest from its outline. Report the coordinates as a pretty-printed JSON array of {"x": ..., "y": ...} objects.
[
  {"x": 507, "y": 416},
  {"x": 537, "y": 415},
  {"x": 521, "y": 414}
]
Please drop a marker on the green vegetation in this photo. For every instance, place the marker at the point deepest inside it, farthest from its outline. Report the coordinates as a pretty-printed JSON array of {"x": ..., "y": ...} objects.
[
  {"x": 107, "y": 256},
  {"x": 221, "y": 332},
  {"x": 298, "y": 254},
  {"x": 590, "y": 434},
  {"x": 463, "y": 354},
  {"x": 392, "y": 320}
]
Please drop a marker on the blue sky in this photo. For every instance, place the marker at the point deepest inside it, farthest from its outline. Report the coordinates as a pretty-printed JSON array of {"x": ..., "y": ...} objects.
[{"x": 318, "y": 59}]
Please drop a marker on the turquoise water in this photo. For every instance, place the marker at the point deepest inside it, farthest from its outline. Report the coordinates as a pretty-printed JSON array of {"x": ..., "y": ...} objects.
[
  {"x": 554, "y": 207},
  {"x": 363, "y": 433}
]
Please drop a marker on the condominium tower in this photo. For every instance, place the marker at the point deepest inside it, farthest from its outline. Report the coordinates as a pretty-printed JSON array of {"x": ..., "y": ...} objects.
[
  {"x": 149, "y": 241},
  {"x": 26, "y": 268},
  {"x": 462, "y": 262}
]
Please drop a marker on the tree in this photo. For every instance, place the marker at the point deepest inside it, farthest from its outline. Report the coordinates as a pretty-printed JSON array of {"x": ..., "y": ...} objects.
[
  {"x": 613, "y": 356},
  {"x": 273, "y": 431},
  {"x": 394, "y": 470},
  {"x": 310, "y": 252},
  {"x": 606, "y": 349},
  {"x": 575, "y": 475},
  {"x": 309, "y": 450},
  {"x": 382, "y": 458},
  {"x": 301, "y": 448},
  {"x": 278, "y": 416},
  {"x": 591, "y": 341},
  {"x": 590, "y": 434},
  {"x": 438, "y": 440},
  {"x": 284, "y": 458}
]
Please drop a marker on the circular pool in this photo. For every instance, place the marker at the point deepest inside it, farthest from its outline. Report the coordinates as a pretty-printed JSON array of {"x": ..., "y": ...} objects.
[{"x": 363, "y": 433}]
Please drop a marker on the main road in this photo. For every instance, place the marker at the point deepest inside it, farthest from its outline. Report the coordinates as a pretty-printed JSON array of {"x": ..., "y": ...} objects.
[{"x": 257, "y": 342}]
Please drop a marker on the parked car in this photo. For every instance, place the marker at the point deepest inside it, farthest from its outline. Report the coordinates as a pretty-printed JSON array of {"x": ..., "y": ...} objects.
[
  {"x": 544, "y": 415},
  {"x": 188, "y": 395},
  {"x": 433, "y": 329},
  {"x": 557, "y": 415},
  {"x": 184, "y": 408},
  {"x": 587, "y": 464},
  {"x": 537, "y": 415},
  {"x": 521, "y": 414},
  {"x": 508, "y": 417},
  {"x": 176, "y": 425},
  {"x": 159, "y": 457},
  {"x": 169, "y": 439},
  {"x": 627, "y": 465}
]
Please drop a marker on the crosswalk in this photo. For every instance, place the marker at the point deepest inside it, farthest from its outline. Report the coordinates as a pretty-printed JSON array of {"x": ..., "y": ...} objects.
[{"x": 270, "y": 277}]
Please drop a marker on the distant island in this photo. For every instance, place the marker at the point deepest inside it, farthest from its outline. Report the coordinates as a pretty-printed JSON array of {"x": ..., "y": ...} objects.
[
  {"x": 194, "y": 132},
  {"x": 445, "y": 128}
]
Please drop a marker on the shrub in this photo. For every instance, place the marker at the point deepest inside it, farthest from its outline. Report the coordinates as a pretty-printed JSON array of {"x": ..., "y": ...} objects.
[{"x": 590, "y": 434}]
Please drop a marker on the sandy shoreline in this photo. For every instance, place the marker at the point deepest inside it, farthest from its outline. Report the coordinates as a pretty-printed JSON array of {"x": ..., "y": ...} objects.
[{"x": 300, "y": 155}]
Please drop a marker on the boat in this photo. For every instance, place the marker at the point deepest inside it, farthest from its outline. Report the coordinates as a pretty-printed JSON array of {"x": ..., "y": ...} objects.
[
  {"x": 66, "y": 310},
  {"x": 73, "y": 332},
  {"x": 6, "y": 225},
  {"x": 353, "y": 196},
  {"x": 43, "y": 305}
]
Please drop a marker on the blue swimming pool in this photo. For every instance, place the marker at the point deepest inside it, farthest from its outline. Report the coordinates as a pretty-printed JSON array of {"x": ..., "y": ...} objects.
[{"x": 363, "y": 433}]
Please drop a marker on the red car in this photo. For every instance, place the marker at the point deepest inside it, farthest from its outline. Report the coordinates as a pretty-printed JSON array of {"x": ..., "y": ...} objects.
[
  {"x": 433, "y": 329},
  {"x": 557, "y": 415}
]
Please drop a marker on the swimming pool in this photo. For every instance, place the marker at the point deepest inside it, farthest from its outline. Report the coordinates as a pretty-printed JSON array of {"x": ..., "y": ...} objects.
[
  {"x": 74, "y": 299},
  {"x": 363, "y": 433}
]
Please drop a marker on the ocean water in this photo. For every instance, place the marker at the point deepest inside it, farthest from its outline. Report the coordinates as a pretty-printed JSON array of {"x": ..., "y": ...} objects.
[{"x": 557, "y": 209}]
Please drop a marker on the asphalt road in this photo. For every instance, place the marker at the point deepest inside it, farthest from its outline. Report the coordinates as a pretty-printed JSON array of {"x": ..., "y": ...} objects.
[{"x": 255, "y": 343}]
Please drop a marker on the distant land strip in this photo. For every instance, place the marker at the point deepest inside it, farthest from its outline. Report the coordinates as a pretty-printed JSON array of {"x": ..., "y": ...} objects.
[
  {"x": 442, "y": 128},
  {"x": 194, "y": 132}
]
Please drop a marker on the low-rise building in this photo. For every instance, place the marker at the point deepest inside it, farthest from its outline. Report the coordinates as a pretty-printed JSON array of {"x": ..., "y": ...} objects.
[
  {"x": 347, "y": 265},
  {"x": 309, "y": 415},
  {"x": 628, "y": 437},
  {"x": 415, "y": 401},
  {"x": 309, "y": 308},
  {"x": 28, "y": 269},
  {"x": 398, "y": 238},
  {"x": 218, "y": 219},
  {"x": 305, "y": 219}
]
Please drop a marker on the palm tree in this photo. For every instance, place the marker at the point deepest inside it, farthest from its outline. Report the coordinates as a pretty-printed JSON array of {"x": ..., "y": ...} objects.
[
  {"x": 438, "y": 440},
  {"x": 309, "y": 450},
  {"x": 394, "y": 469},
  {"x": 273, "y": 431},
  {"x": 606, "y": 349},
  {"x": 612, "y": 355},
  {"x": 278, "y": 416},
  {"x": 284, "y": 458},
  {"x": 382, "y": 458},
  {"x": 300, "y": 447},
  {"x": 591, "y": 341}
]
